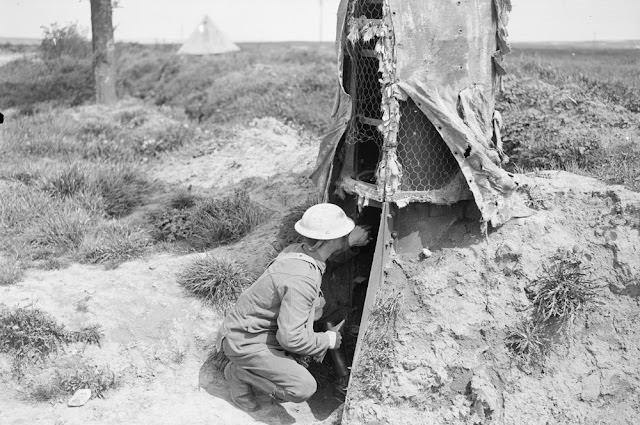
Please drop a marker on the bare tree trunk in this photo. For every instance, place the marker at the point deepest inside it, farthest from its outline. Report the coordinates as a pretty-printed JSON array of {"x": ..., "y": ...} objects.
[{"x": 103, "y": 51}]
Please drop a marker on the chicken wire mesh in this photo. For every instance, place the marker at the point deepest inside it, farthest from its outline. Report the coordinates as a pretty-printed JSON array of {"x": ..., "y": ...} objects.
[{"x": 427, "y": 162}]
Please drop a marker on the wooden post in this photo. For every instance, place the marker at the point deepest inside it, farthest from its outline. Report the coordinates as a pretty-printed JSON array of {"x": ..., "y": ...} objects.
[{"x": 103, "y": 51}]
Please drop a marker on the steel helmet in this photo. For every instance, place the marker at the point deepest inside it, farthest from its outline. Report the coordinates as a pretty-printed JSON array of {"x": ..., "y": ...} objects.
[{"x": 324, "y": 222}]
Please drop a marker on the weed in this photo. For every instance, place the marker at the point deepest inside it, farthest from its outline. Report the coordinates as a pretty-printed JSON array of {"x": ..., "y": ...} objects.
[
  {"x": 529, "y": 342},
  {"x": 172, "y": 223},
  {"x": 112, "y": 242},
  {"x": 219, "y": 221},
  {"x": 562, "y": 290},
  {"x": 217, "y": 282}
]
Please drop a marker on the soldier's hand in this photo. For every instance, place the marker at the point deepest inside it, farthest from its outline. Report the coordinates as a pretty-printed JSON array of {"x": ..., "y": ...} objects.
[
  {"x": 337, "y": 330},
  {"x": 338, "y": 340},
  {"x": 359, "y": 236}
]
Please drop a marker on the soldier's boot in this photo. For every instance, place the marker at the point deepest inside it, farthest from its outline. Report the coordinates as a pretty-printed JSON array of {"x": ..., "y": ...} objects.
[{"x": 240, "y": 392}]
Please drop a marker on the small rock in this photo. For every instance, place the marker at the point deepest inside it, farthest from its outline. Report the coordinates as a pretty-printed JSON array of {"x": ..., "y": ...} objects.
[
  {"x": 80, "y": 398},
  {"x": 426, "y": 253}
]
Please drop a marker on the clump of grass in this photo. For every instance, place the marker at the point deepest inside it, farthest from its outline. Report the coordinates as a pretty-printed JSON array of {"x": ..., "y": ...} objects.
[
  {"x": 10, "y": 271},
  {"x": 113, "y": 242},
  {"x": 67, "y": 379},
  {"x": 219, "y": 221},
  {"x": 122, "y": 188},
  {"x": 61, "y": 229},
  {"x": 204, "y": 223},
  {"x": 218, "y": 282},
  {"x": 31, "y": 335},
  {"x": 562, "y": 290}
]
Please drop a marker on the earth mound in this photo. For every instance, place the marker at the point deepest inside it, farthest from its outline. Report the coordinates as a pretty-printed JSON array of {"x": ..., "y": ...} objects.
[{"x": 443, "y": 335}]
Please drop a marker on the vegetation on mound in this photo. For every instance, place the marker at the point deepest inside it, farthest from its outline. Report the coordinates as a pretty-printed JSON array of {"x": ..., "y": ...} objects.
[
  {"x": 558, "y": 295},
  {"x": 218, "y": 282},
  {"x": 30, "y": 335},
  {"x": 206, "y": 222}
]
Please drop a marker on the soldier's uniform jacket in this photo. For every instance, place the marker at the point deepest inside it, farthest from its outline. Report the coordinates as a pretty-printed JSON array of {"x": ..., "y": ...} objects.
[{"x": 279, "y": 308}]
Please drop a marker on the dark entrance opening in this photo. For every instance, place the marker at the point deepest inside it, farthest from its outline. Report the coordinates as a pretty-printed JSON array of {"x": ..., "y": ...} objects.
[{"x": 344, "y": 287}]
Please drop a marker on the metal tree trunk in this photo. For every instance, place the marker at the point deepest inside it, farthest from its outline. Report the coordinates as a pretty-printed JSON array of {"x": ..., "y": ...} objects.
[{"x": 103, "y": 51}]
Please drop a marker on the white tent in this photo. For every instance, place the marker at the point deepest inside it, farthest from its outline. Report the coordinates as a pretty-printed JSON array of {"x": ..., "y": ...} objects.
[{"x": 207, "y": 39}]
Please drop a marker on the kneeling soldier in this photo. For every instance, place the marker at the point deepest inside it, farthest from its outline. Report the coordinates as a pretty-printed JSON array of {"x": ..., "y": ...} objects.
[{"x": 275, "y": 315}]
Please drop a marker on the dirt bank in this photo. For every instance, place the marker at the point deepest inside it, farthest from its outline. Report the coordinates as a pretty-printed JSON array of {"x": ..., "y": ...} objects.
[{"x": 449, "y": 363}]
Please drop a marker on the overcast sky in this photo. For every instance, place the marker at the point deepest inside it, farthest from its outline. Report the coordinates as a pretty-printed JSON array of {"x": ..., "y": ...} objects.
[{"x": 279, "y": 20}]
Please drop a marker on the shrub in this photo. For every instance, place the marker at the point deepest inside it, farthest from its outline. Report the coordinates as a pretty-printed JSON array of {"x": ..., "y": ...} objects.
[
  {"x": 61, "y": 41},
  {"x": 113, "y": 242},
  {"x": 217, "y": 282},
  {"x": 26, "y": 84},
  {"x": 218, "y": 221}
]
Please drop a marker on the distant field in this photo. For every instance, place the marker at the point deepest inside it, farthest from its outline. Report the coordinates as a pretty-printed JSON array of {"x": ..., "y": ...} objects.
[{"x": 620, "y": 65}]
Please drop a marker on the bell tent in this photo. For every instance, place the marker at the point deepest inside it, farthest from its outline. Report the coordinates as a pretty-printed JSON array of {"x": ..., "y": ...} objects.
[
  {"x": 207, "y": 39},
  {"x": 414, "y": 144}
]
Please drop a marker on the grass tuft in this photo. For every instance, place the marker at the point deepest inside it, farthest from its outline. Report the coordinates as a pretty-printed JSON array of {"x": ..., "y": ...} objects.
[
  {"x": 204, "y": 223},
  {"x": 113, "y": 242},
  {"x": 218, "y": 282},
  {"x": 219, "y": 221}
]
